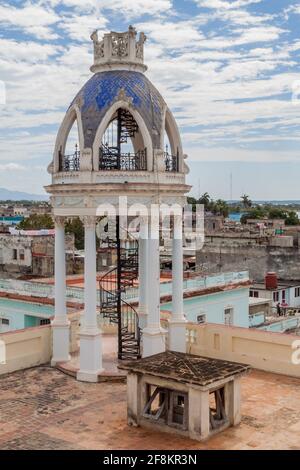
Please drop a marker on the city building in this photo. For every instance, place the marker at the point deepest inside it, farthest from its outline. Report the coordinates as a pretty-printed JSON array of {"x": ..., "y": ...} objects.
[
  {"x": 31, "y": 252},
  {"x": 253, "y": 252},
  {"x": 17, "y": 314},
  {"x": 222, "y": 299},
  {"x": 284, "y": 293}
]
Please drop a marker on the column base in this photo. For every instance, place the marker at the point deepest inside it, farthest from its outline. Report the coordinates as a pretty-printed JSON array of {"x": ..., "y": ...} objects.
[
  {"x": 177, "y": 335},
  {"x": 60, "y": 341},
  {"x": 154, "y": 341},
  {"x": 90, "y": 360},
  {"x": 85, "y": 376}
]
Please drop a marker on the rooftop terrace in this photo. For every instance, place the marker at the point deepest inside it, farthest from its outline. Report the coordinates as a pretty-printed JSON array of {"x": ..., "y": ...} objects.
[{"x": 42, "y": 408}]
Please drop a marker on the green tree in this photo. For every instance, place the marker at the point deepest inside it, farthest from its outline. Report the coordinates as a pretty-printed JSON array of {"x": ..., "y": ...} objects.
[
  {"x": 37, "y": 222},
  {"x": 205, "y": 200},
  {"x": 256, "y": 212},
  {"x": 277, "y": 213},
  {"x": 220, "y": 207},
  {"x": 247, "y": 203},
  {"x": 292, "y": 218},
  {"x": 193, "y": 202}
]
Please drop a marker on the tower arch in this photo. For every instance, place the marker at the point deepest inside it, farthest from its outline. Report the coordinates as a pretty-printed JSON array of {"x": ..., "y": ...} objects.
[
  {"x": 72, "y": 115},
  {"x": 144, "y": 143},
  {"x": 172, "y": 131}
]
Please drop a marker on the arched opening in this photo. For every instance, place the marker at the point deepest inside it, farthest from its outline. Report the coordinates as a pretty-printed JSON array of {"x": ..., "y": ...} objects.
[
  {"x": 172, "y": 144},
  {"x": 122, "y": 146},
  {"x": 171, "y": 157},
  {"x": 69, "y": 153}
]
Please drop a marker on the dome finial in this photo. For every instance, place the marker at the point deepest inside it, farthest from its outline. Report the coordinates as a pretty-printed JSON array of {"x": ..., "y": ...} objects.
[{"x": 119, "y": 51}]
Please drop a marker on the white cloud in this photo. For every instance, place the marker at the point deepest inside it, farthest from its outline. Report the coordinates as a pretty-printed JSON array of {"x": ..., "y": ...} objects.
[
  {"x": 27, "y": 51},
  {"x": 171, "y": 35},
  {"x": 137, "y": 8},
  {"x": 32, "y": 19},
  {"x": 128, "y": 8},
  {"x": 79, "y": 28},
  {"x": 11, "y": 167},
  {"x": 226, "y": 5}
]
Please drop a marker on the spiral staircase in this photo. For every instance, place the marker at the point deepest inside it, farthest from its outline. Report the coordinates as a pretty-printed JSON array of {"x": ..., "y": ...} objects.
[{"x": 113, "y": 286}]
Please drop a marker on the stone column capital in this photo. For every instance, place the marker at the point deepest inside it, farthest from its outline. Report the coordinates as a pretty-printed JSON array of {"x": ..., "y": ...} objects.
[
  {"x": 59, "y": 221},
  {"x": 89, "y": 221}
]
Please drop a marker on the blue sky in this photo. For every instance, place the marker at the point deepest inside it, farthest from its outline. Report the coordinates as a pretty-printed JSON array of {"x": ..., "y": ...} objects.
[{"x": 229, "y": 70}]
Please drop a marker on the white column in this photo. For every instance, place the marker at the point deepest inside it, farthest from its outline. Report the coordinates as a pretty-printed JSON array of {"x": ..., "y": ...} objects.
[
  {"x": 153, "y": 334},
  {"x": 90, "y": 362},
  {"x": 60, "y": 324},
  {"x": 143, "y": 267},
  {"x": 177, "y": 323}
]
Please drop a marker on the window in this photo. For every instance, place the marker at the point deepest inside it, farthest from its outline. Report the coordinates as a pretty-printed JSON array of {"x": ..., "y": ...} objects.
[
  {"x": 15, "y": 254},
  {"x": 178, "y": 412},
  {"x": 22, "y": 255},
  {"x": 275, "y": 296},
  {"x": 4, "y": 321},
  {"x": 283, "y": 295},
  {"x": 297, "y": 291},
  {"x": 166, "y": 406},
  {"x": 254, "y": 293},
  {"x": 228, "y": 316},
  {"x": 45, "y": 321},
  {"x": 201, "y": 318}
]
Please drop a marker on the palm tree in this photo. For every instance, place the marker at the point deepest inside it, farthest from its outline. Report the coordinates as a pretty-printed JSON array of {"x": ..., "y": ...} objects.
[
  {"x": 247, "y": 203},
  {"x": 221, "y": 208},
  {"x": 205, "y": 200}
]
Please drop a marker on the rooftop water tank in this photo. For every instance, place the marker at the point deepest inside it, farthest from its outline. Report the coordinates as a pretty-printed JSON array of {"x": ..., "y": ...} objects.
[{"x": 271, "y": 281}]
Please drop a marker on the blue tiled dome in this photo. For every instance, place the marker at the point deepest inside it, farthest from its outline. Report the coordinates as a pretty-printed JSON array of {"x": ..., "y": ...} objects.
[{"x": 103, "y": 89}]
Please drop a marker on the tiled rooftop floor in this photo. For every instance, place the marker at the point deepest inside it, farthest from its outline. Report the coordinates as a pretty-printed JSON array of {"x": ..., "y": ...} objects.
[{"x": 42, "y": 408}]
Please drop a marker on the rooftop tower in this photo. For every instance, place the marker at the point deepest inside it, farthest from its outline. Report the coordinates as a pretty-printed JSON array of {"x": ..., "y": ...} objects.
[{"x": 128, "y": 145}]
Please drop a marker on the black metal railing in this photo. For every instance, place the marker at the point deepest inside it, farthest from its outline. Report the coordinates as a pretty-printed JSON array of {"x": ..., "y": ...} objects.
[
  {"x": 171, "y": 162},
  {"x": 70, "y": 162},
  {"x": 111, "y": 159}
]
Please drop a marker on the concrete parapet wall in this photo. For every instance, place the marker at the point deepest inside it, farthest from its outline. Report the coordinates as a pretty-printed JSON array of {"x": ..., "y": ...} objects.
[
  {"x": 25, "y": 348},
  {"x": 31, "y": 347},
  {"x": 271, "y": 352}
]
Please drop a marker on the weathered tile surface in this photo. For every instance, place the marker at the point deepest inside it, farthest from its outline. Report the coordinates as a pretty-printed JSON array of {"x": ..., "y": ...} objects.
[{"x": 42, "y": 408}]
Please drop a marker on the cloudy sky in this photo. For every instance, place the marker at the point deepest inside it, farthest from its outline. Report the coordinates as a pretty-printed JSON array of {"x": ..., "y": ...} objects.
[{"x": 229, "y": 70}]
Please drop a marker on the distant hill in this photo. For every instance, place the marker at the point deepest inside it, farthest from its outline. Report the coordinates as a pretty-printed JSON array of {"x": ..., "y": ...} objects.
[{"x": 6, "y": 194}]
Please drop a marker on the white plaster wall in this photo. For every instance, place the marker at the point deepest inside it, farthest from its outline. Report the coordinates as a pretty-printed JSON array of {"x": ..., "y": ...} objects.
[{"x": 10, "y": 242}]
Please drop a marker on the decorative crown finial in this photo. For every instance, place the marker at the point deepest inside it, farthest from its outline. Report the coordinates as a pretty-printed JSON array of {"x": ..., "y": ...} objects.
[{"x": 119, "y": 51}]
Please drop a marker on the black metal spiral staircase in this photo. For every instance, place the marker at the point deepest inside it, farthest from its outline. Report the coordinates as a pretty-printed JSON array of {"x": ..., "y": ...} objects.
[{"x": 113, "y": 286}]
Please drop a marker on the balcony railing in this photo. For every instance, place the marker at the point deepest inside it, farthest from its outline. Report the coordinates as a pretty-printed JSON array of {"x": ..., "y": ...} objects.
[
  {"x": 70, "y": 162},
  {"x": 110, "y": 159},
  {"x": 171, "y": 162}
]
